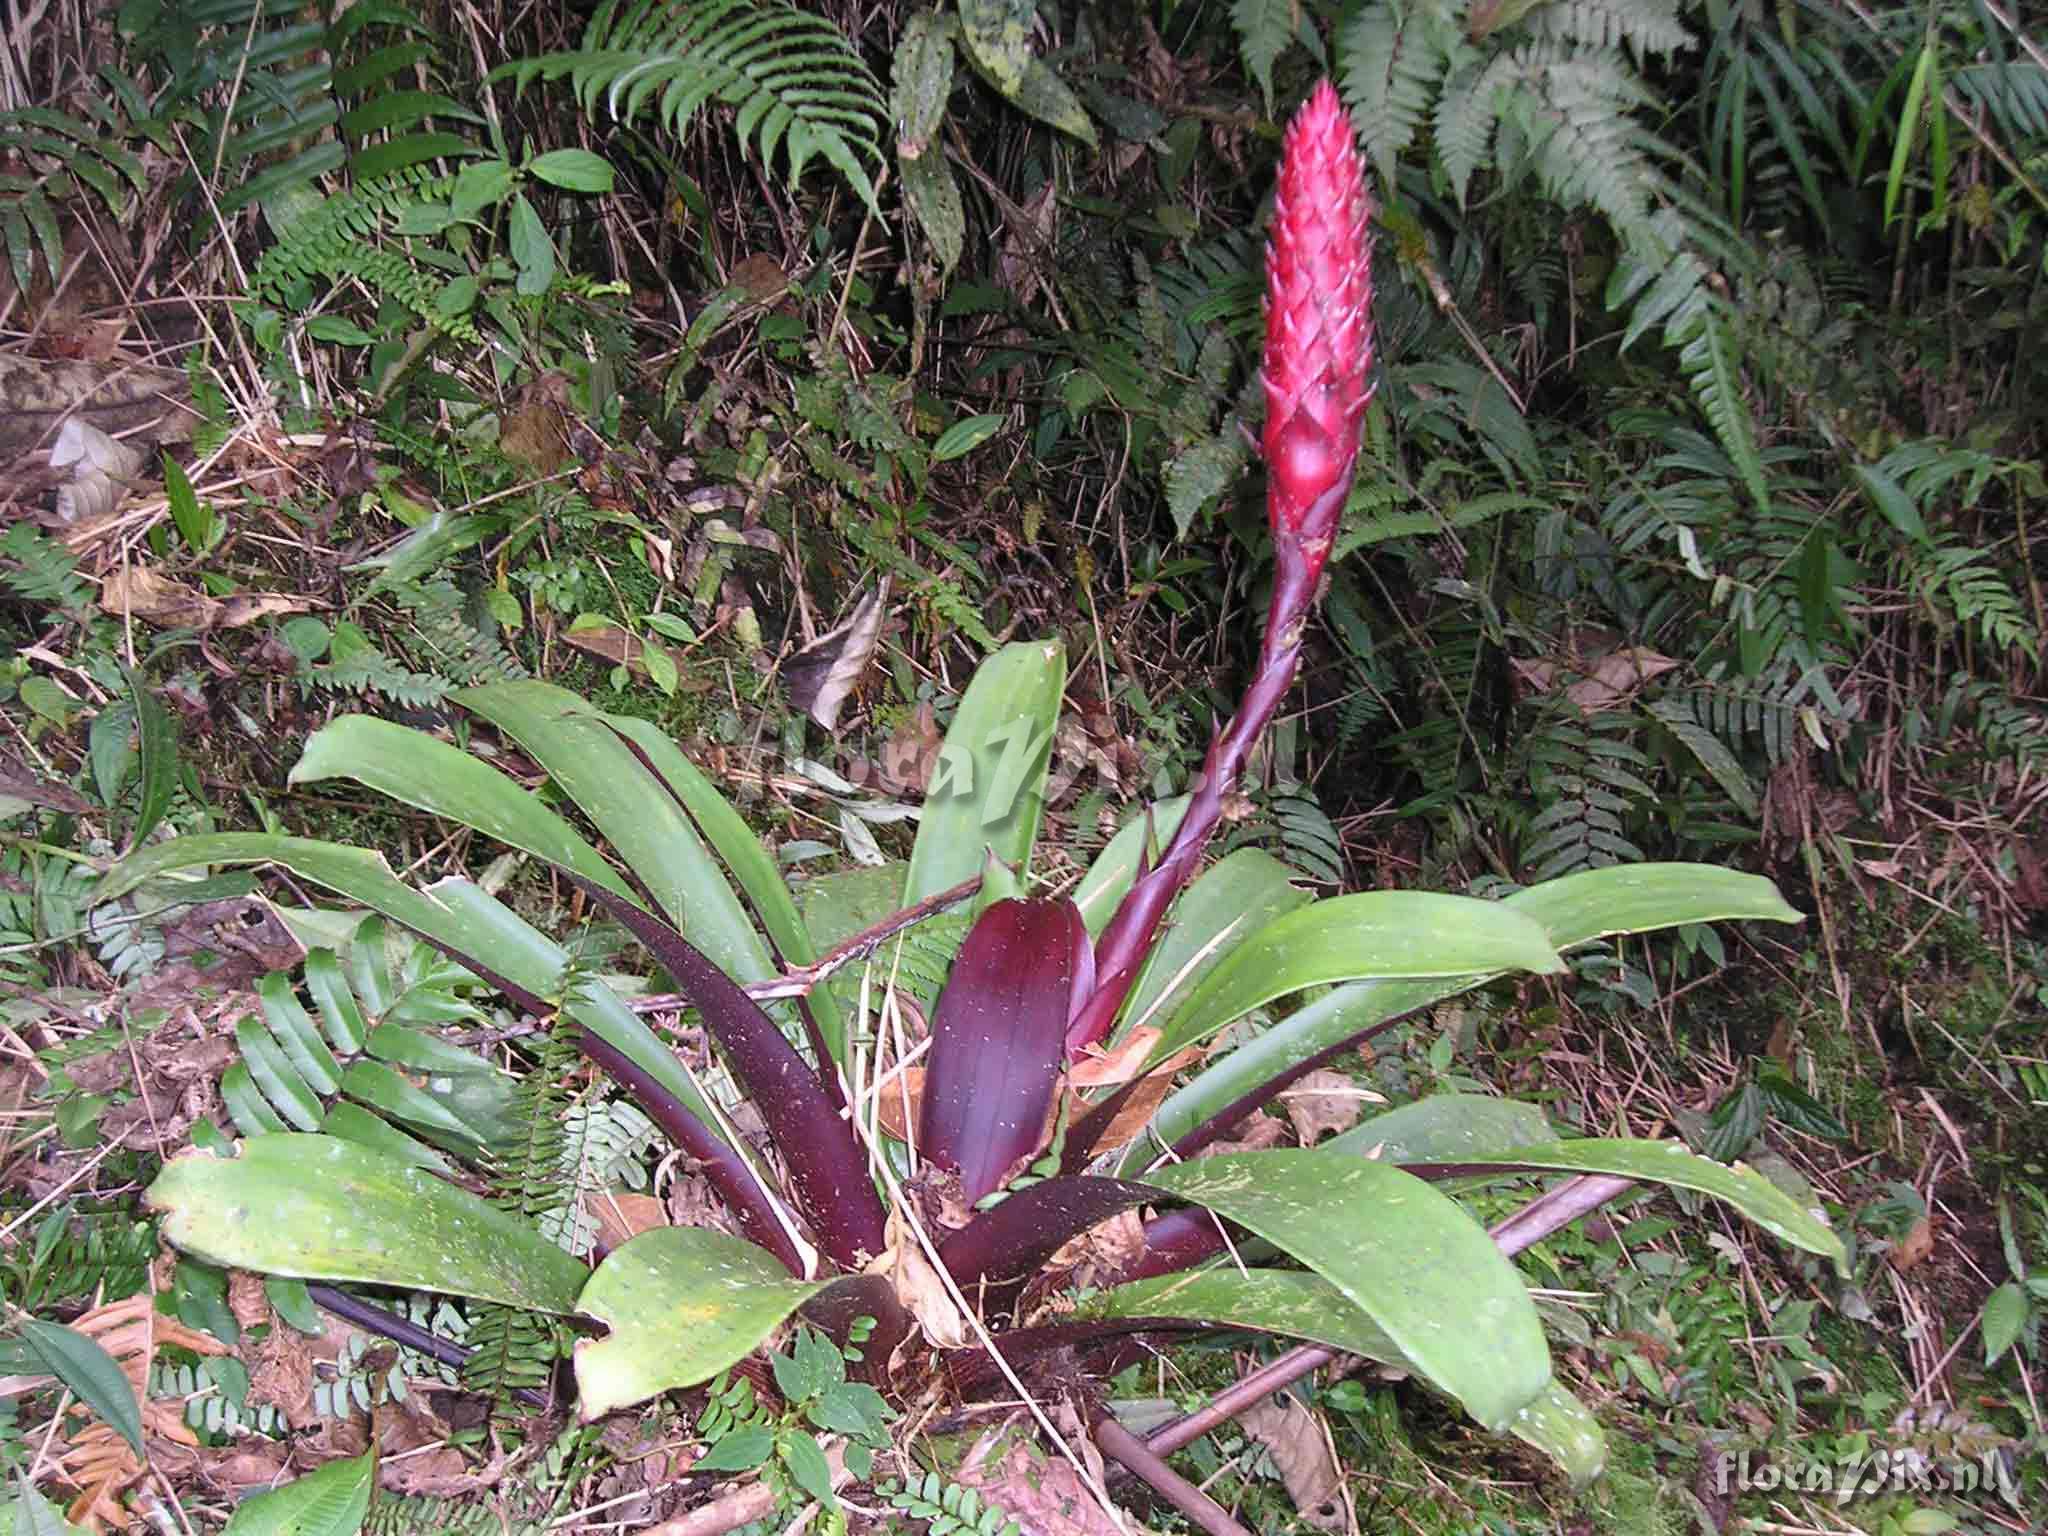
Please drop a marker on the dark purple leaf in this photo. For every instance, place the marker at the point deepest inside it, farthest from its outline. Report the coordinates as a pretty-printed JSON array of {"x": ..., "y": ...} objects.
[
  {"x": 998, "y": 1035},
  {"x": 1010, "y": 1242},
  {"x": 825, "y": 1161}
]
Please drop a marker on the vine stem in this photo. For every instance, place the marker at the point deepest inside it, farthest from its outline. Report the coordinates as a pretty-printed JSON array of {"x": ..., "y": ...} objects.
[{"x": 1183, "y": 1495}]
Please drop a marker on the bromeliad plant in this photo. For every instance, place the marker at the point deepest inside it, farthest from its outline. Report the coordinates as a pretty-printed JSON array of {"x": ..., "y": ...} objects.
[{"x": 961, "y": 1227}]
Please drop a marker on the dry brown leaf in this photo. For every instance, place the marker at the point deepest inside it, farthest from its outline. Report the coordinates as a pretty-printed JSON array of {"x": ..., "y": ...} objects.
[
  {"x": 1301, "y": 1453},
  {"x": 1602, "y": 681},
  {"x": 1104, "y": 1251},
  {"x": 1043, "y": 1494},
  {"x": 617, "y": 646},
  {"x": 1258, "y": 1133},
  {"x": 622, "y": 1215},
  {"x": 899, "y": 1102},
  {"x": 143, "y": 592},
  {"x": 822, "y": 676},
  {"x": 1322, "y": 1101},
  {"x": 919, "y": 1287},
  {"x": 245, "y": 608},
  {"x": 1112, "y": 1069},
  {"x": 1915, "y": 1246}
]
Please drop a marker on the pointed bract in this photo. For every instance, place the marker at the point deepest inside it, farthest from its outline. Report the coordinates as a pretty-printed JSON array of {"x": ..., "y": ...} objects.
[{"x": 1318, "y": 361}]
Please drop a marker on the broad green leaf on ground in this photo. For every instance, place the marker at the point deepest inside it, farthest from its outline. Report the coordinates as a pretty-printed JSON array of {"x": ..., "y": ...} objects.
[
  {"x": 1675, "y": 1164},
  {"x": 987, "y": 790},
  {"x": 323, "y": 1209},
  {"x": 1371, "y": 934},
  {"x": 682, "y": 1304},
  {"x": 331, "y": 1501},
  {"x": 90, "y": 1372},
  {"x": 1564, "y": 1429},
  {"x": 1411, "y": 1259}
]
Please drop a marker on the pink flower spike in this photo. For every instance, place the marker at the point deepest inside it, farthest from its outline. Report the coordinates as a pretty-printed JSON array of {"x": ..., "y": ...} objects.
[{"x": 1318, "y": 330}]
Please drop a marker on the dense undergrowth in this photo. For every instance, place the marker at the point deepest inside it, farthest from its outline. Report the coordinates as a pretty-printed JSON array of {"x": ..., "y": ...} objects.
[{"x": 757, "y": 370}]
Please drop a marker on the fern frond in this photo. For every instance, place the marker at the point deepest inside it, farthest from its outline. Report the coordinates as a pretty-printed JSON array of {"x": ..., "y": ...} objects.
[
  {"x": 1264, "y": 29},
  {"x": 1644, "y": 26},
  {"x": 1708, "y": 358},
  {"x": 794, "y": 80},
  {"x": 1392, "y": 59}
]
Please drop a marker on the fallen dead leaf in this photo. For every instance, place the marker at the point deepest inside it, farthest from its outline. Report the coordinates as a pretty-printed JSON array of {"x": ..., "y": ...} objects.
[
  {"x": 1324, "y": 1101},
  {"x": 1294, "y": 1439},
  {"x": 1044, "y": 1494},
  {"x": 143, "y": 592},
  {"x": 621, "y": 1214},
  {"x": 1915, "y": 1246},
  {"x": 822, "y": 676}
]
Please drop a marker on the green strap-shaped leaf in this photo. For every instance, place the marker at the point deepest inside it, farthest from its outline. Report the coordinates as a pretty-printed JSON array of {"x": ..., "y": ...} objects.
[
  {"x": 1286, "y": 1301},
  {"x": 1412, "y": 1260},
  {"x": 430, "y": 775},
  {"x": 454, "y": 914},
  {"x": 988, "y": 790},
  {"x": 1675, "y": 1164},
  {"x": 323, "y": 1209},
  {"x": 1374, "y": 933},
  {"x": 1564, "y": 1429},
  {"x": 637, "y": 815},
  {"x": 1573, "y": 910},
  {"x": 682, "y": 1304},
  {"x": 1443, "y": 1128},
  {"x": 1235, "y": 899}
]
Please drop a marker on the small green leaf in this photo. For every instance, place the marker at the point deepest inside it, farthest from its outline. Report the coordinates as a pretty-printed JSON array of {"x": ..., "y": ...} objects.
[
  {"x": 330, "y": 1502},
  {"x": 194, "y": 519},
  {"x": 740, "y": 1450},
  {"x": 2005, "y": 1314},
  {"x": 963, "y": 437},
  {"x": 573, "y": 170},
  {"x": 532, "y": 250},
  {"x": 90, "y": 1372},
  {"x": 807, "y": 1466},
  {"x": 343, "y": 333},
  {"x": 156, "y": 738}
]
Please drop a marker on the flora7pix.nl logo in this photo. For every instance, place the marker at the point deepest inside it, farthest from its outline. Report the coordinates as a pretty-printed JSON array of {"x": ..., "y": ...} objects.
[{"x": 1866, "y": 1474}]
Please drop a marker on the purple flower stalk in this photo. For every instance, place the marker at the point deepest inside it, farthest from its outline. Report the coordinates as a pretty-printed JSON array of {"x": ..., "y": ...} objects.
[{"x": 1317, "y": 371}]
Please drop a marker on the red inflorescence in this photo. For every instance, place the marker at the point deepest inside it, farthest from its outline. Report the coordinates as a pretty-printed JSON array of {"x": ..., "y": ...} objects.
[{"x": 1318, "y": 325}]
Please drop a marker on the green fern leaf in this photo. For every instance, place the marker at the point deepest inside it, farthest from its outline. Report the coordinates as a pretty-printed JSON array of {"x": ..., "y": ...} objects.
[
  {"x": 796, "y": 82},
  {"x": 1709, "y": 366},
  {"x": 1264, "y": 29},
  {"x": 1392, "y": 64}
]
